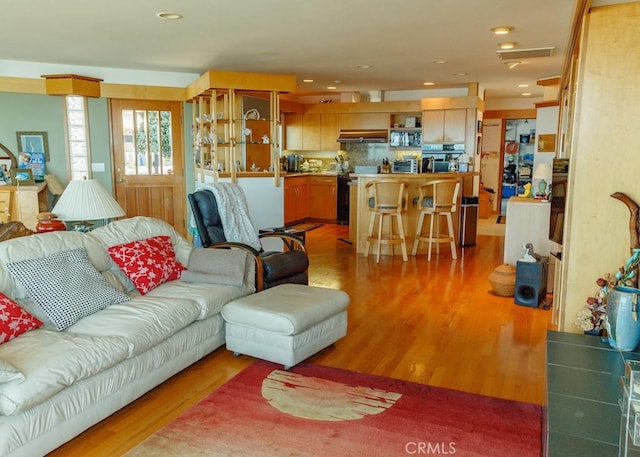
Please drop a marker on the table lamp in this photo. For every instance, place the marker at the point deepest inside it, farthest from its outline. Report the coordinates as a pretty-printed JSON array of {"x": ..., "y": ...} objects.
[
  {"x": 86, "y": 200},
  {"x": 542, "y": 172}
]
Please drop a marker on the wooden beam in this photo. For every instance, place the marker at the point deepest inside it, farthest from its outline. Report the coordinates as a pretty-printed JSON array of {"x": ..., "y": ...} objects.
[
  {"x": 214, "y": 79},
  {"x": 69, "y": 84}
]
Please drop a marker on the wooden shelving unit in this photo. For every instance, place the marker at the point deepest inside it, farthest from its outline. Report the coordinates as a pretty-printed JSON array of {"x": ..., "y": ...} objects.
[{"x": 226, "y": 136}]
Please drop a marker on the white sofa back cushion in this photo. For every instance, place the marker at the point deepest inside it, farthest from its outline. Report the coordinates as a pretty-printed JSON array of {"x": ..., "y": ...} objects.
[{"x": 35, "y": 247}]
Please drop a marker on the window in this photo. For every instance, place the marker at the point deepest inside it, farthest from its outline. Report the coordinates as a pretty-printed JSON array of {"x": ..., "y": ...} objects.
[
  {"x": 147, "y": 142},
  {"x": 77, "y": 129}
]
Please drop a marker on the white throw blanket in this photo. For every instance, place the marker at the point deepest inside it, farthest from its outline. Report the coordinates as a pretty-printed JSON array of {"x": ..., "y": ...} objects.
[{"x": 234, "y": 213}]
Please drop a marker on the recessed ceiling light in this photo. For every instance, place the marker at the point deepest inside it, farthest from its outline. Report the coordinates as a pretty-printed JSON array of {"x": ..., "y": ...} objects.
[
  {"x": 307, "y": 80},
  {"x": 331, "y": 87},
  {"x": 460, "y": 74},
  {"x": 507, "y": 45},
  {"x": 526, "y": 94},
  {"x": 512, "y": 65},
  {"x": 337, "y": 81},
  {"x": 523, "y": 85},
  {"x": 169, "y": 16},
  {"x": 364, "y": 67},
  {"x": 502, "y": 30},
  {"x": 429, "y": 83},
  {"x": 439, "y": 61}
]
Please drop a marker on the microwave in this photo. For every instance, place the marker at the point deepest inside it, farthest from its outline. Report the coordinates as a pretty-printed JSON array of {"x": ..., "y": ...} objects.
[{"x": 405, "y": 166}]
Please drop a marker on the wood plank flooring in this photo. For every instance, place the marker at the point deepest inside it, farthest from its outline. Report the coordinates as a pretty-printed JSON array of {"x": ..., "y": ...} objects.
[{"x": 435, "y": 323}]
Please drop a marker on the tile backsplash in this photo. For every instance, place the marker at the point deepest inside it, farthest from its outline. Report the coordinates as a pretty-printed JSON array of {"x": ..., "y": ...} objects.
[{"x": 358, "y": 154}]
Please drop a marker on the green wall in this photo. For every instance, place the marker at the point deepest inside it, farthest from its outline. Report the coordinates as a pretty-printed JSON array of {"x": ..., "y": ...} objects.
[{"x": 45, "y": 113}]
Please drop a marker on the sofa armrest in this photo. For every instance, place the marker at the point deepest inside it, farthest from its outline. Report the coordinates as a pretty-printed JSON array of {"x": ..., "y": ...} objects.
[{"x": 255, "y": 255}]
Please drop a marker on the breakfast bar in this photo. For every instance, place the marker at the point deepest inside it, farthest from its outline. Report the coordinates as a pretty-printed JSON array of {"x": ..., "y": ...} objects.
[{"x": 410, "y": 216}]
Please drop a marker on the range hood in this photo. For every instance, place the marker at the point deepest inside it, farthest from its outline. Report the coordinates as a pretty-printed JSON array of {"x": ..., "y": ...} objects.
[{"x": 363, "y": 136}]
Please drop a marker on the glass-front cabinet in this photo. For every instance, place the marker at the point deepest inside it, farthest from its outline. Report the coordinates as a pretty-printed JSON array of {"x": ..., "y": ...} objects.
[
  {"x": 405, "y": 131},
  {"x": 236, "y": 128}
]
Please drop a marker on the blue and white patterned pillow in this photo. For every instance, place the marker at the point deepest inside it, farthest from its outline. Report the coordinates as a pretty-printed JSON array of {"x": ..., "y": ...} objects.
[{"x": 66, "y": 286}]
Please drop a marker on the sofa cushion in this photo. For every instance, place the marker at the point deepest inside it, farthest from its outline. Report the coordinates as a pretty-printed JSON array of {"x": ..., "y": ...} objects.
[
  {"x": 14, "y": 320},
  {"x": 147, "y": 263},
  {"x": 209, "y": 297},
  {"x": 51, "y": 361},
  {"x": 143, "y": 321},
  {"x": 65, "y": 285},
  {"x": 9, "y": 373}
]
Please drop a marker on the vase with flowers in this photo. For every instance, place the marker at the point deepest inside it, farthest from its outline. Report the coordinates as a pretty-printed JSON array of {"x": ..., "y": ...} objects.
[
  {"x": 622, "y": 325},
  {"x": 612, "y": 310},
  {"x": 592, "y": 317}
]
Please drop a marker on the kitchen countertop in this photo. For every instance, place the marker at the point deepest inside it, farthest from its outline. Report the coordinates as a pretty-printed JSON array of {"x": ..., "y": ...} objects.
[{"x": 414, "y": 175}]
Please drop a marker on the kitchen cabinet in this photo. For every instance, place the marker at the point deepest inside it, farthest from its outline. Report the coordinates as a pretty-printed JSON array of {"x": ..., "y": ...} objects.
[
  {"x": 444, "y": 126},
  {"x": 329, "y": 131},
  {"x": 312, "y": 132},
  {"x": 296, "y": 199},
  {"x": 405, "y": 131},
  {"x": 293, "y": 131},
  {"x": 323, "y": 197},
  {"x": 355, "y": 121}
]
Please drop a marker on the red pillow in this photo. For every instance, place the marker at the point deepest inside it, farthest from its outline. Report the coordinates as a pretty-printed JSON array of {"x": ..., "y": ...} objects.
[
  {"x": 147, "y": 263},
  {"x": 14, "y": 320}
]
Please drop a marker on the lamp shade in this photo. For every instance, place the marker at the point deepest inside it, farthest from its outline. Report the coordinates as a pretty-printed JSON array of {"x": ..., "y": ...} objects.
[
  {"x": 86, "y": 200},
  {"x": 542, "y": 171}
]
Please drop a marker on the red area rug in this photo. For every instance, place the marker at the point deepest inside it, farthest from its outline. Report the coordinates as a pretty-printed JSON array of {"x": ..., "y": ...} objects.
[{"x": 319, "y": 411}]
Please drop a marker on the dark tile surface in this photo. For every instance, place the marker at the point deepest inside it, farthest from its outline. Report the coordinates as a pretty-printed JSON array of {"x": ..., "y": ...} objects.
[
  {"x": 580, "y": 383},
  {"x": 583, "y": 388},
  {"x": 569, "y": 446},
  {"x": 582, "y": 418}
]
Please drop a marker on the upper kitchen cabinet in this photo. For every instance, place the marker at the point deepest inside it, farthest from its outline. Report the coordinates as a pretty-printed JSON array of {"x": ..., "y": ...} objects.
[
  {"x": 405, "y": 131},
  {"x": 444, "y": 126},
  {"x": 355, "y": 121},
  {"x": 293, "y": 130},
  {"x": 311, "y": 131},
  {"x": 329, "y": 131},
  {"x": 302, "y": 132}
]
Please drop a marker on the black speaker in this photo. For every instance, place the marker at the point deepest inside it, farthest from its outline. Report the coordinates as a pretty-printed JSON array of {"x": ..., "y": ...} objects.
[{"x": 531, "y": 282}]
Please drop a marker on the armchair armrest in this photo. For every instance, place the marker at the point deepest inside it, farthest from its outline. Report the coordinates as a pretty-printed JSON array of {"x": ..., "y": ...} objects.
[{"x": 292, "y": 242}]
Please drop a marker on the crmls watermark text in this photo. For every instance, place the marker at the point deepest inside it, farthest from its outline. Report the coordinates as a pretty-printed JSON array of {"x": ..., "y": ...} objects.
[{"x": 430, "y": 448}]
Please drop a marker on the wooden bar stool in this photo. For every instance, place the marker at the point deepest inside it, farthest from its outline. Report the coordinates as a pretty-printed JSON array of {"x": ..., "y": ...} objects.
[
  {"x": 388, "y": 197},
  {"x": 437, "y": 199}
]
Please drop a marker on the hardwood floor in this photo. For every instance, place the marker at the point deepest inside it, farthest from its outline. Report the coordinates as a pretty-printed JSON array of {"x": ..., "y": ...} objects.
[{"x": 435, "y": 323}]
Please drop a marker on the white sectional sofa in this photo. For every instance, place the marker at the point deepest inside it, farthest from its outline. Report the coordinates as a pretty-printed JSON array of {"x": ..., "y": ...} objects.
[{"x": 56, "y": 383}]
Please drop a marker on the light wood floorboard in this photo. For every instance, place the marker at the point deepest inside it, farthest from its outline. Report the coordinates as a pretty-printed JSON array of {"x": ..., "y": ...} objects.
[{"x": 435, "y": 323}]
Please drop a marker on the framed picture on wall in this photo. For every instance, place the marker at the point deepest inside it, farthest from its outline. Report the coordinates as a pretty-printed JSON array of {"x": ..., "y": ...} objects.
[{"x": 33, "y": 142}]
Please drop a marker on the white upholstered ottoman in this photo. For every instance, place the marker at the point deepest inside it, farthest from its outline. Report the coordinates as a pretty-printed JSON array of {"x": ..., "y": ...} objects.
[{"x": 286, "y": 323}]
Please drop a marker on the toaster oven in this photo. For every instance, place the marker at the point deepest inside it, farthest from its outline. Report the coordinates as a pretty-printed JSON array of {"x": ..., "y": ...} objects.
[{"x": 405, "y": 166}]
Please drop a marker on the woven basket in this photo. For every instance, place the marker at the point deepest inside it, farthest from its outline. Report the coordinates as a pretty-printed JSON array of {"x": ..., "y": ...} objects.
[{"x": 503, "y": 280}]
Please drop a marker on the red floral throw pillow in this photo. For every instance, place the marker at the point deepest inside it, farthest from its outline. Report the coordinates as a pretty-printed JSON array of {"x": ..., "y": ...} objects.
[
  {"x": 147, "y": 263},
  {"x": 14, "y": 320}
]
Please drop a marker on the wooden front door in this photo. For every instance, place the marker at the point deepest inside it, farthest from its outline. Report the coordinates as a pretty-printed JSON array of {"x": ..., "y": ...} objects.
[{"x": 148, "y": 156}]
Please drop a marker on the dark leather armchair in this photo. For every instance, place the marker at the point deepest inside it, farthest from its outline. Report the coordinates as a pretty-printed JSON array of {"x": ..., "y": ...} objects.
[{"x": 272, "y": 268}]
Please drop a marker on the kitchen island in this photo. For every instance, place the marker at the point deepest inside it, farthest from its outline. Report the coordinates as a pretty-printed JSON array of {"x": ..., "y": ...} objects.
[{"x": 362, "y": 214}]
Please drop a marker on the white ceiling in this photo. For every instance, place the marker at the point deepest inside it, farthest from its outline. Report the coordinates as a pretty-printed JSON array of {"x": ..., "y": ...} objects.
[{"x": 324, "y": 40}]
